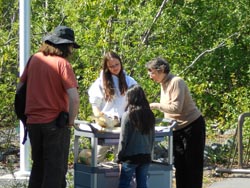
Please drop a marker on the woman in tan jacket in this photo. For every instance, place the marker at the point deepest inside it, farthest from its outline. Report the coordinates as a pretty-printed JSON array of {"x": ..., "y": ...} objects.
[{"x": 189, "y": 136}]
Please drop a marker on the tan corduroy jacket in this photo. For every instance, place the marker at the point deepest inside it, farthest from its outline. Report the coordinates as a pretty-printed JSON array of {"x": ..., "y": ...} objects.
[{"x": 176, "y": 101}]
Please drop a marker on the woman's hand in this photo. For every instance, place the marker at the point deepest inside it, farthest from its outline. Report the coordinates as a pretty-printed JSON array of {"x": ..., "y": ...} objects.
[
  {"x": 97, "y": 112},
  {"x": 154, "y": 106}
]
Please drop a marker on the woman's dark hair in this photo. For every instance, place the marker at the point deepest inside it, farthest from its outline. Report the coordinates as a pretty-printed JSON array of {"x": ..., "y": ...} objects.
[
  {"x": 140, "y": 114},
  {"x": 108, "y": 84},
  {"x": 61, "y": 50},
  {"x": 159, "y": 64}
]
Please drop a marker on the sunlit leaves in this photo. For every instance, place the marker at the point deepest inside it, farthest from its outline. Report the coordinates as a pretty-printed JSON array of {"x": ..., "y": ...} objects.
[{"x": 219, "y": 80}]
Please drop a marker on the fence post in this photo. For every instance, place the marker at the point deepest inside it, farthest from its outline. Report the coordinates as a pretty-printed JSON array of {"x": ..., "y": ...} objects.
[{"x": 241, "y": 120}]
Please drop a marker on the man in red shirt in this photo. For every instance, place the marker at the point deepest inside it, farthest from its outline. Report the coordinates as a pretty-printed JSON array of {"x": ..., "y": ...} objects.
[{"x": 52, "y": 103}]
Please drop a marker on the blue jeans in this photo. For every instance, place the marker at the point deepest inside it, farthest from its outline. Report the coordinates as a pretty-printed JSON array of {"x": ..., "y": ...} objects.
[{"x": 127, "y": 172}]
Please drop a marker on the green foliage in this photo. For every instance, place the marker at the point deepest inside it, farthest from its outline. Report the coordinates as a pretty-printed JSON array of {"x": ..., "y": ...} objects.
[
  {"x": 8, "y": 62},
  {"x": 219, "y": 153},
  {"x": 206, "y": 43}
]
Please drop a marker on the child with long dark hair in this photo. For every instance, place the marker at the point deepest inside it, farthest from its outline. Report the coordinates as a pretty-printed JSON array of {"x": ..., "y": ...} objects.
[{"x": 136, "y": 138}]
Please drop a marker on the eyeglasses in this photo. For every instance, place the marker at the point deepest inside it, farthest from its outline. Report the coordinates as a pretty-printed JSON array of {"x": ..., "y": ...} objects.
[
  {"x": 114, "y": 66},
  {"x": 152, "y": 72}
]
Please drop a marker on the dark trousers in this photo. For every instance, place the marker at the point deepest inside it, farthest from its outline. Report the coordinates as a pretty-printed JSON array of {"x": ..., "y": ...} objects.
[
  {"x": 49, "y": 150},
  {"x": 189, "y": 144}
]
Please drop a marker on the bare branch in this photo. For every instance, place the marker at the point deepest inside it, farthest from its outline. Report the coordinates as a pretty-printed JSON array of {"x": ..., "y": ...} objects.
[
  {"x": 155, "y": 19},
  {"x": 8, "y": 41},
  {"x": 222, "y": 44}
]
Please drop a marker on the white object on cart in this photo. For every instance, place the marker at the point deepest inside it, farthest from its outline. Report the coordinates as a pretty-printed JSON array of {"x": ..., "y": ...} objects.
[{"x": 107, "y": 175}]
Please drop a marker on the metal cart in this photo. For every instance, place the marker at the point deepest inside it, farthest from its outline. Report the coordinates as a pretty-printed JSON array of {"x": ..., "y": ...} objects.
[{"x": 101, "y": 176}]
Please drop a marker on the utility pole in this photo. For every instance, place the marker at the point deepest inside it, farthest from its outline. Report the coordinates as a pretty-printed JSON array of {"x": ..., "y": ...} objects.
[{"x": 24, "y": 53}]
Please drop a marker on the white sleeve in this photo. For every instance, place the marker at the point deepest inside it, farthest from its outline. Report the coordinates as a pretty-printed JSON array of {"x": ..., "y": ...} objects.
[
  {"x": 130, "y": 81},
  {"x": 95, "y": 93}
]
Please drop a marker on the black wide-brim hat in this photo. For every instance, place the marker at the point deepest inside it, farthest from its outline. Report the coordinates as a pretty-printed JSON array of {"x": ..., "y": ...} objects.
[{"x": 62, "y": 35}]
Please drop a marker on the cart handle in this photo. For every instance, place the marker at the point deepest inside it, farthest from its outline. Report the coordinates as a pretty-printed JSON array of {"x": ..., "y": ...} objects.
[
  {"x": 173, "y": 123},
  {"x": 77, "y": 122}
]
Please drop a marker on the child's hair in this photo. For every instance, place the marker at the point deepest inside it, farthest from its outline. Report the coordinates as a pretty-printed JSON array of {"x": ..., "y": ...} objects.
[{"x": 140, "y": 114}]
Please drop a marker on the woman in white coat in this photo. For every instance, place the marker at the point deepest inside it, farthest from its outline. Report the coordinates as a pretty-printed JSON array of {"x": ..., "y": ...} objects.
[{"x": 107, "y": 93}]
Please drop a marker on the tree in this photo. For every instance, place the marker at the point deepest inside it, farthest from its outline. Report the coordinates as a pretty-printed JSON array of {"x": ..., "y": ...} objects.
[{"x": 181, "y": 31}]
